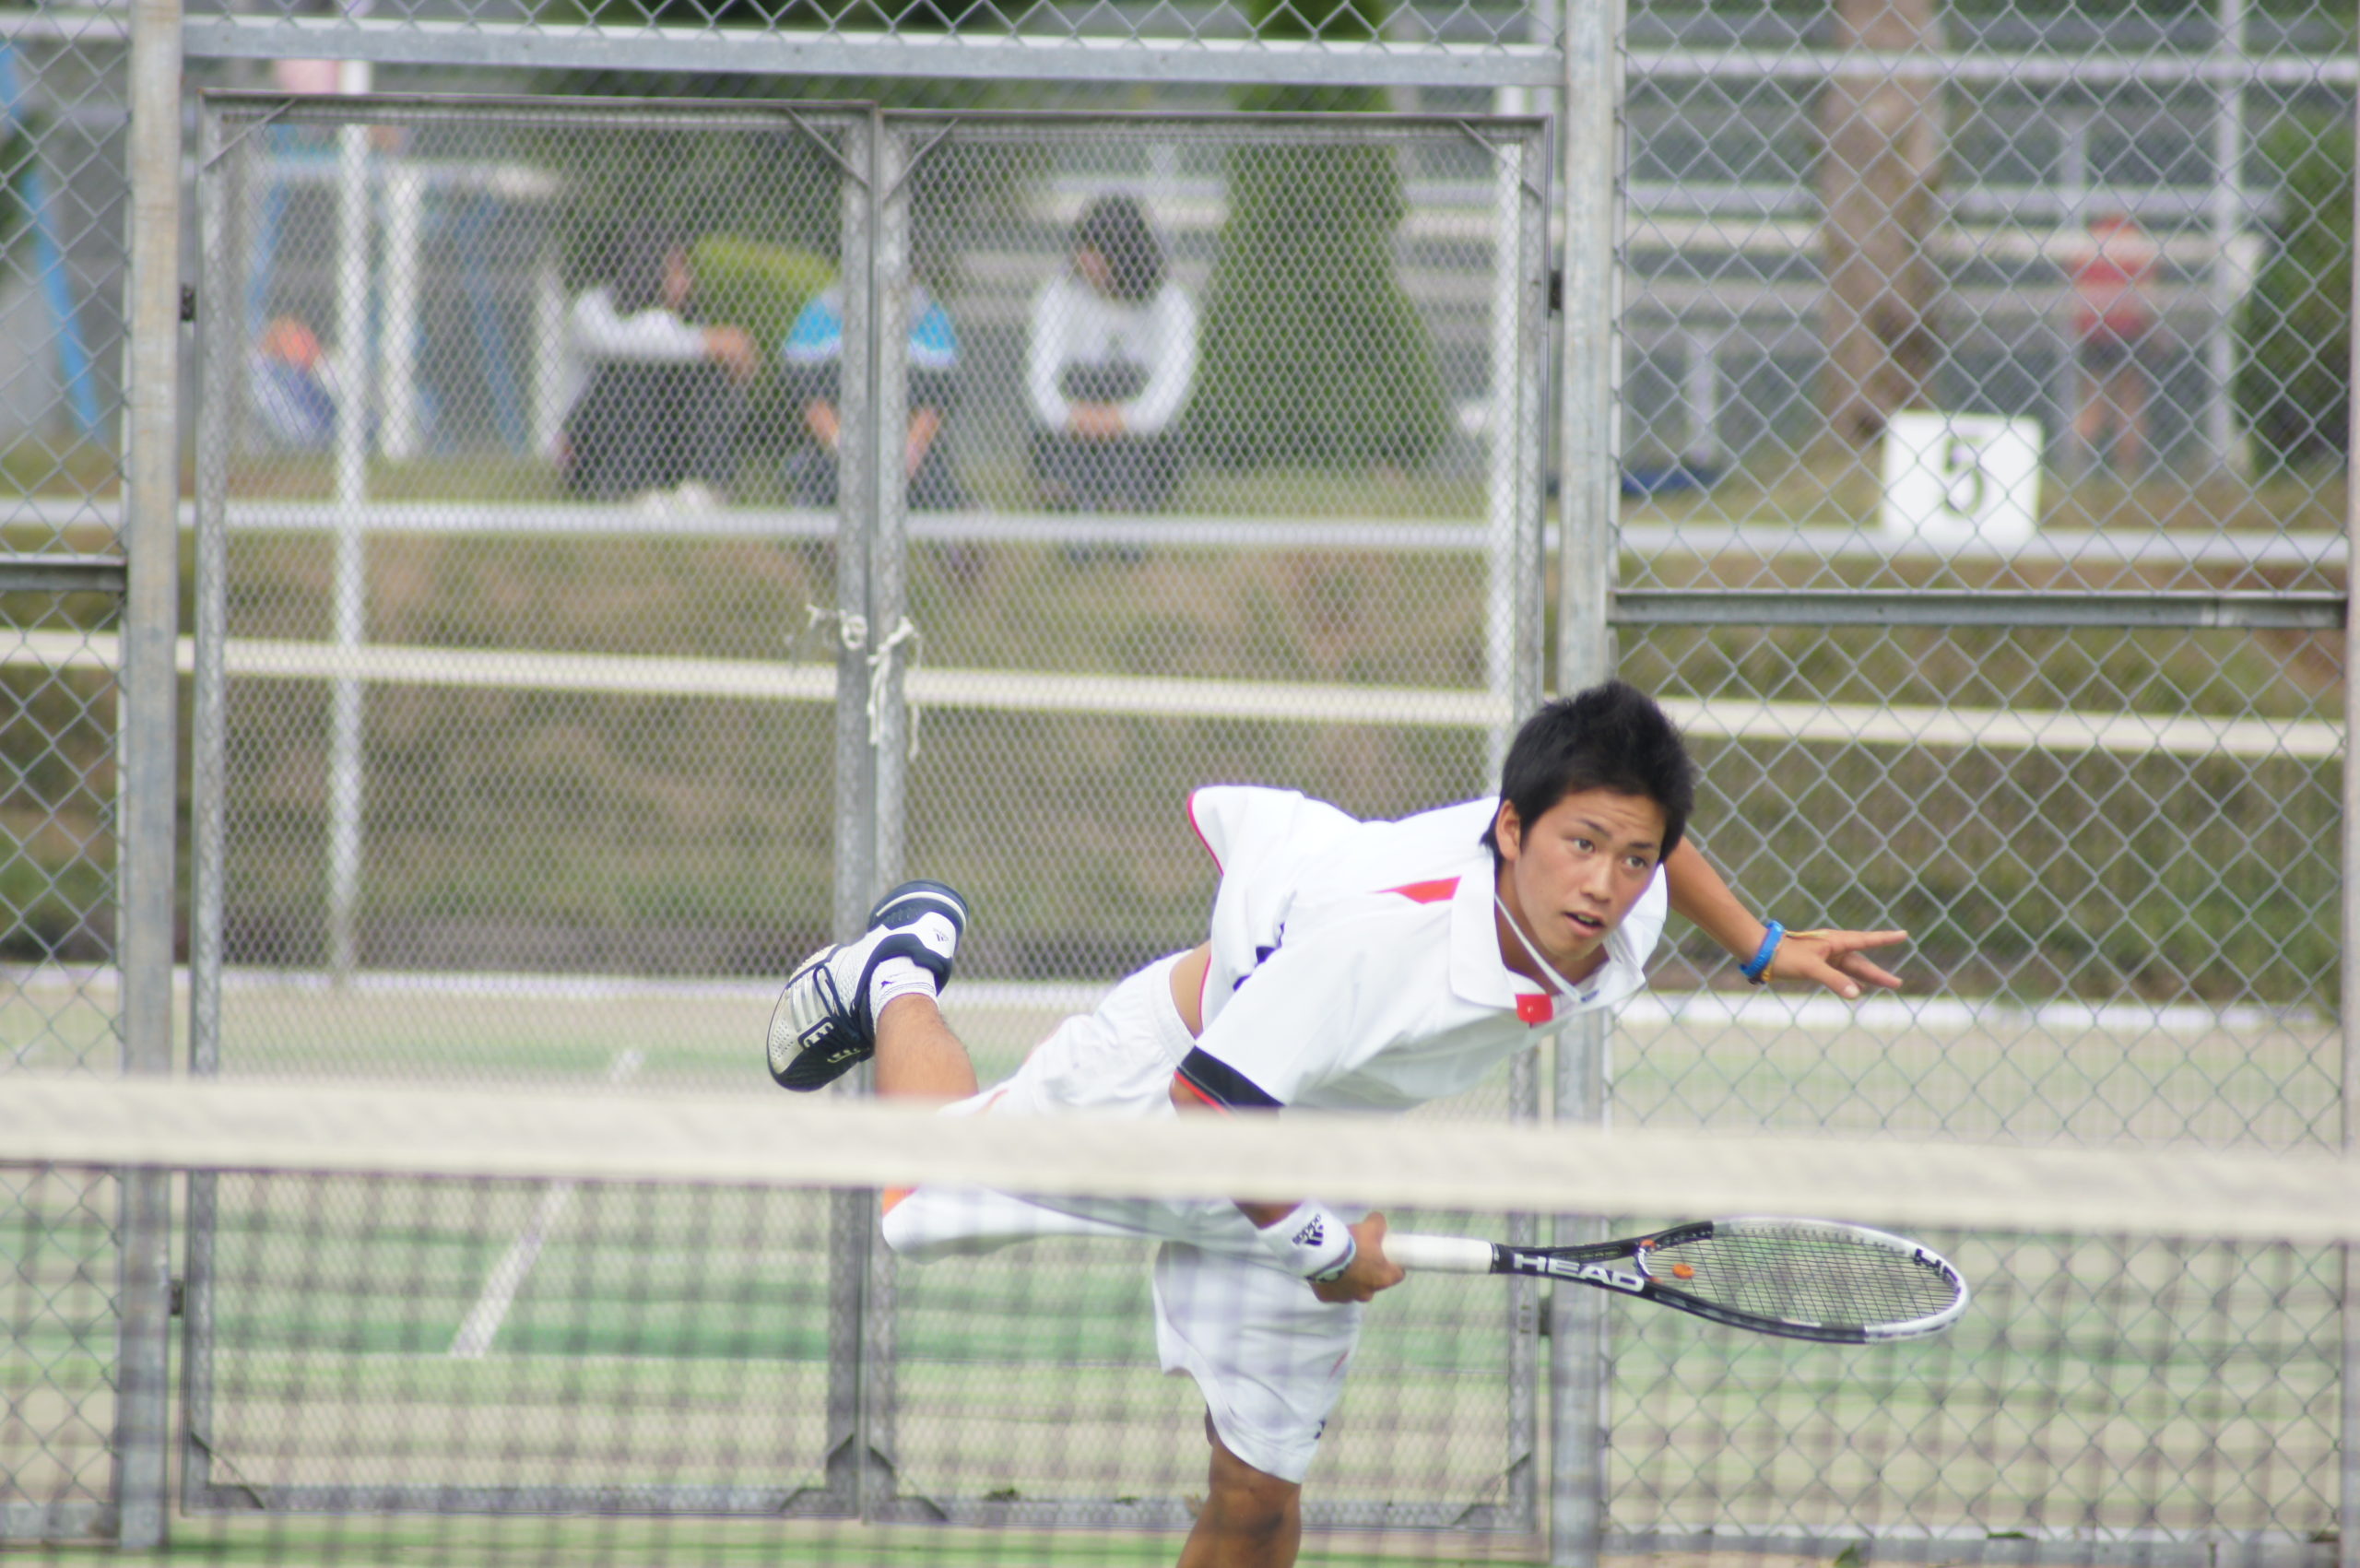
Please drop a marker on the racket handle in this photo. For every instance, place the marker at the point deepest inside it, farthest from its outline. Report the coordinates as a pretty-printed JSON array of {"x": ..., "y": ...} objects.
[{"x": 1438, "y": 1254}]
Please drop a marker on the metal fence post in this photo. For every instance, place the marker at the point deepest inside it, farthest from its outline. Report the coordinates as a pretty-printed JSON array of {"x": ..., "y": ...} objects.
[
  {"x": 2348, "y": 988},
  {"x": 1535, "y": 374},
  {"x": 221, "y": 185},
  {"x": 150, "y": 779},
  {"x": 1520, "y": 355},
  {"x": 856, "y": 784},
  {"x": 355, "y": 224},
  {"x": 851, "y": 1213},
  {"x": 1504, "y": 563},
  {"x": 888, "y": 497},
  {"x": 1586, "y": 467},
  {"x": 1577, "y": 1363},
  {"x": 1586, "y": 496},
  {"x": 892, "y": 645}
]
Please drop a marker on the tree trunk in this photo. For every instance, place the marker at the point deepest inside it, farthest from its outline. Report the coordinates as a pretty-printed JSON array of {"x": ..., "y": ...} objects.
[{"x": 1878, "y": 174}]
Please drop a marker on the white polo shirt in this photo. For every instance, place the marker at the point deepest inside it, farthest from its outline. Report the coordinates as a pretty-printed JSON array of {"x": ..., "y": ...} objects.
[{"x": 1356, "y": 965}]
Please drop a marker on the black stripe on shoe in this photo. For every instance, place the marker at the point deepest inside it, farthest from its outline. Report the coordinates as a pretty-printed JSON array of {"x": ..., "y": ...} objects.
[{"x": 911, "y": 899}]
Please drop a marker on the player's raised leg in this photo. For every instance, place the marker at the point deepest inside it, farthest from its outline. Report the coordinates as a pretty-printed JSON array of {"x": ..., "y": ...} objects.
[
  {"x": 874, "y": 996},
  {"x": 916, "y": 1053},
  {"x": 1250, "y": 1519}
]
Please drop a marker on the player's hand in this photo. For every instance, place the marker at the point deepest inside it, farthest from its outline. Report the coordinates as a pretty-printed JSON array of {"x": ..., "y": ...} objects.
[
  {"x": 1370, "y": 1270},
  {"x": 734, "y": 351},
  {"x": 1837, "y": 960}
]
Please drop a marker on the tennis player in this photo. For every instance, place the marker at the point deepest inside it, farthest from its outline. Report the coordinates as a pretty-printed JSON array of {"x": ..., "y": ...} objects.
[{"x": 1357, "y": 966}]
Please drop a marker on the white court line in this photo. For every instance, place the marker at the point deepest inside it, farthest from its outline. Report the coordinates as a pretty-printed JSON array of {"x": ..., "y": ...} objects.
[
  {"x": 1764, "y": 1010},
  {"x": 500, "y": 1287},
  {"x": 1991, "y": 729}
]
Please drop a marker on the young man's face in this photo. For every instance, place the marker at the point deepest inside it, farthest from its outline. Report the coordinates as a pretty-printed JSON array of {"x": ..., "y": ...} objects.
[{"x": 1571, "y": 874}]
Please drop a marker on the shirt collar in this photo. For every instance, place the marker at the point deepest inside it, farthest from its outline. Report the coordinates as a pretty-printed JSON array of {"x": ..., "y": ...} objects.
[{"x": 1479, "y": 974}]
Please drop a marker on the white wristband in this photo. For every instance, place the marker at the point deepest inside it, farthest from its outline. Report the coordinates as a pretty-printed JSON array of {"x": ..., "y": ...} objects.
[{"x": 1313, "y": 1240}]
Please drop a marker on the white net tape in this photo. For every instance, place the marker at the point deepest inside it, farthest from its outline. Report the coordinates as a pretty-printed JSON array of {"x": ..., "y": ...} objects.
[{"x": 2187, "y": 1191}]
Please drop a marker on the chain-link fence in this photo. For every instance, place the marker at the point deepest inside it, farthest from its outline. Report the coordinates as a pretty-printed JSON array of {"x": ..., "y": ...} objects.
[
  {"x": 539, "y": 498},
  {"x": 63, "y": 98},
  {"x": 1984, "y": 516},
  {"x": 1462, "y": 43},
  {"x": 2051, "y": 678},
  {"x": 503, "y": 750}
]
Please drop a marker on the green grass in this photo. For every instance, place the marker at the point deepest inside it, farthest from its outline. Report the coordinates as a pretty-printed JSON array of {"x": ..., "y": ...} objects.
[
  {"x": 527, "y": 830},
  {"x": 1829, "y": 484}
]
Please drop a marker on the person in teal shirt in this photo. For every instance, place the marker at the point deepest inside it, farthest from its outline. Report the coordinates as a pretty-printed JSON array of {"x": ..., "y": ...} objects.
[{"x": 812, "y": 357}]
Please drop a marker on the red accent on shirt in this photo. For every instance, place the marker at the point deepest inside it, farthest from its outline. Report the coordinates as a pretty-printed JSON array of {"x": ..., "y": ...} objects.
[
  {"x": 1199, "y": 1095},
  {"x": 1197, "y": 828},
  {"x": 1534, "y": 1008},
  {"x": 1436, "y": 892}
]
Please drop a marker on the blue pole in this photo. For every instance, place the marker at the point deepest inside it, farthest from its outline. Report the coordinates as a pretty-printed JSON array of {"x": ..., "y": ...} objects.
[{"x": 49, "y": 261}]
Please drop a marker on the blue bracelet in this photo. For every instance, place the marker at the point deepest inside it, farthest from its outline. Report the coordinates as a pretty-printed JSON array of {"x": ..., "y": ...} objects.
[{"x": 1758, "y": 970}]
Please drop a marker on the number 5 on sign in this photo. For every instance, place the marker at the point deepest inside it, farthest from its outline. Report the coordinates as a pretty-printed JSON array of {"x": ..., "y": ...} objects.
[{"x": 1962, "y": 479}]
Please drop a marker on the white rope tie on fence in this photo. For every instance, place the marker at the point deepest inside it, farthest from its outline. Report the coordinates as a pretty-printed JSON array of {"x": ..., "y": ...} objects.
[
  {"x": 852, "y": 628},
  {"x": 852, "y": 634},
  {"x": 880, "y": 664}
]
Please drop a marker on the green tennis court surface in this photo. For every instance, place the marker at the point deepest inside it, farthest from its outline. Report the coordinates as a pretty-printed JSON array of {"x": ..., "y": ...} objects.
[
  {"x": 680, "y": 1337},
  {"x": 677, "y": 1337}
]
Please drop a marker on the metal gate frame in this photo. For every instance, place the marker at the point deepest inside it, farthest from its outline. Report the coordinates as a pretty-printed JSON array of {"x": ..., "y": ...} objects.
[
  {"x": 1521, "y": 148},
  {"x": 208, "y": 1482},
  {"x": 879, "y": 152}
]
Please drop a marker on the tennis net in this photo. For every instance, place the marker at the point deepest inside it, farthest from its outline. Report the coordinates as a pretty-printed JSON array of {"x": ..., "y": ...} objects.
[{"x": 440, "y": 1325}]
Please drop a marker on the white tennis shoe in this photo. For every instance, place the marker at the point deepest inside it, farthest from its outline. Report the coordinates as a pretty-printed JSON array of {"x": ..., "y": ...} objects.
[{"x": 822, "y": 1028}]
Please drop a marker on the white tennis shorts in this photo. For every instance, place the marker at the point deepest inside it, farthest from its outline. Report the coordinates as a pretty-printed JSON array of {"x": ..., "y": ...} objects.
[{"x": 1269, "y": 1356}]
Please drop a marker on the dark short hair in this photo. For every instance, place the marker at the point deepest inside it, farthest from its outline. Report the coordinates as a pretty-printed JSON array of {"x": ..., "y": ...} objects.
[
  {"x": 1613, "y": 737},
  {"x": 1117, "y": 228},
  {"x": 635, "y": 261}
]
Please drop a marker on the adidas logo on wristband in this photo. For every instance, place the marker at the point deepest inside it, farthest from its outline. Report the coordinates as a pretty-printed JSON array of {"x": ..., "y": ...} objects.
[{"x": 1311, "y": 1239}]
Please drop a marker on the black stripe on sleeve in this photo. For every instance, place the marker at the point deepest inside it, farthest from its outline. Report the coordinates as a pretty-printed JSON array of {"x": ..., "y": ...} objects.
[{"x": 1223, "y": 1084}]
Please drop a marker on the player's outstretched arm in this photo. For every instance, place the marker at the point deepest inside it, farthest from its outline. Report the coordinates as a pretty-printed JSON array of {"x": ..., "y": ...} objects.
[{"x": 1837, "y": 960}]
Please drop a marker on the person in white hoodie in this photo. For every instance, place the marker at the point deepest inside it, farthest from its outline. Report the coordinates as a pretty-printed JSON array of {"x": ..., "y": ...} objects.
[
  {"x": 654, "y": 399},
  {"x": 1111, "y": 360}
]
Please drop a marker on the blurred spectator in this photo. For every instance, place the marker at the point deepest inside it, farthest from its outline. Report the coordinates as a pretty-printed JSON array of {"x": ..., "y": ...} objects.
[
  {"x": 1111, "y": 360},
  {"x": 293, "y": 386},
  {"x": 654, "y": 401},
  {"x": 2114, "y": 324},
  {"x": 813, "y": 358},
  {"x": 314, "y": 77}
]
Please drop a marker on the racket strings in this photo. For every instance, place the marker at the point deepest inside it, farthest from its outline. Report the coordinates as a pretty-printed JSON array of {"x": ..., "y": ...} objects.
[{"x": 1811, "y": 1279}]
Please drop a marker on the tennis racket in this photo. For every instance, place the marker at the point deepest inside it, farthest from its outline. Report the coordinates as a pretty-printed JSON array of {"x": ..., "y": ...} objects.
[{"x": 1798, "y": 1279}]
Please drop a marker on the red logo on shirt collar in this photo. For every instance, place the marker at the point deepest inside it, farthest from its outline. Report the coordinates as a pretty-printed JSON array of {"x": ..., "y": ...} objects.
[
  {"x": 1435, "y": 891},
  {"x": 1534, "y": 1008}
]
